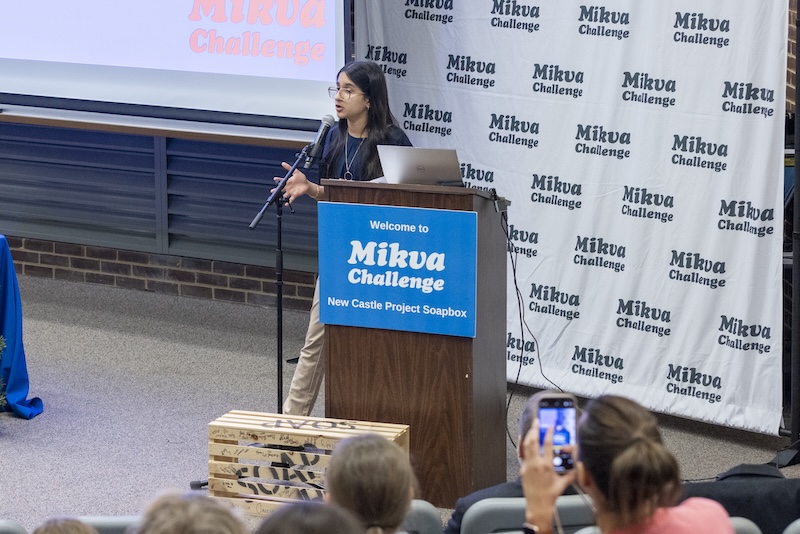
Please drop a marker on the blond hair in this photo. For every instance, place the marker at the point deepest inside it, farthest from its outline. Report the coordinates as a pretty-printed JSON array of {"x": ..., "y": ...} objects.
[
  {"x": 64, "y": 525},
  {"x": 189, "y": 513}
]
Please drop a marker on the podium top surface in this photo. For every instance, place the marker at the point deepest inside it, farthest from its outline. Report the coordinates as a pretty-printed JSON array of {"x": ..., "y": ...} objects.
[{"x": 417, "y": 188}]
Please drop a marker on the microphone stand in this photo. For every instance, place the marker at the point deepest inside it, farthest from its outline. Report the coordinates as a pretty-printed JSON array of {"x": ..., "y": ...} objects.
[{"x": 275, "y": 198}]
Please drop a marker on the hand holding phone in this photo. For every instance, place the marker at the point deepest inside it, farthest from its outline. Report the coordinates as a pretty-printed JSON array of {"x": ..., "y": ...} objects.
[{"x": 559, "y": 411}]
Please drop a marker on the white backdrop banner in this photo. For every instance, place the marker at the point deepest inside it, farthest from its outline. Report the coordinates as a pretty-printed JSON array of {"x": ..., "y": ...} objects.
[{"x": 641, "y": 146}]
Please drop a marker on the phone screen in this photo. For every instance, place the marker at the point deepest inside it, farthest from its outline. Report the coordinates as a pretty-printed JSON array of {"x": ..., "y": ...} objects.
[{"x": 558, "y": 413}]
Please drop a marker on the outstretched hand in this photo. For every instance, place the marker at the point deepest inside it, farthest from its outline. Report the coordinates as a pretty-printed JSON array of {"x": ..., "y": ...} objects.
[
  {"x": 296, "y": 186},
  {"x": 540, "y": 482}
]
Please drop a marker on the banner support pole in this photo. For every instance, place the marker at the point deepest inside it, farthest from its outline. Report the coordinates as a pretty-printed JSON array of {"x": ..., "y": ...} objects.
[{"x": 791, "y": 454}]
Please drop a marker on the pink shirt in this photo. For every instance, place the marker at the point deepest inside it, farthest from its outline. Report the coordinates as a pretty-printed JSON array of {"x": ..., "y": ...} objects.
[{"x": 691, "y": 516}]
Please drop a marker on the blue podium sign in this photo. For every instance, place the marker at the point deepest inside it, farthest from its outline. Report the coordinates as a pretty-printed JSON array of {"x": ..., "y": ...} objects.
[{"x": 398, "y": 268}]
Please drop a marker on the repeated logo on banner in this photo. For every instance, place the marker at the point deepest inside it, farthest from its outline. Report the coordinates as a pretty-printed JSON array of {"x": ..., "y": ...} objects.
[{"x": 641, "y": 146}]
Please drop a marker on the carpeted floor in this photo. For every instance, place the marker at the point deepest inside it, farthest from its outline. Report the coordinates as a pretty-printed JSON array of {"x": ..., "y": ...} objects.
[{"x": 130, "y": 381}]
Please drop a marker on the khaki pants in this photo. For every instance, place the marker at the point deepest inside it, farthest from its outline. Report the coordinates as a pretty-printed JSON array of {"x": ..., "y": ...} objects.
[{"x": 310, "y": 367}]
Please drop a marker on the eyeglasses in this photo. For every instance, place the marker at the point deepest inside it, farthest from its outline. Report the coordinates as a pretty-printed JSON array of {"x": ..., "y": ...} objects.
[{"x": 346, "y": 93}]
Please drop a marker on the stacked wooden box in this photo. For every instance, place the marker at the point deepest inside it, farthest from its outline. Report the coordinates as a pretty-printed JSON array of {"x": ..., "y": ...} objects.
[{"x": 259, "y": 461}]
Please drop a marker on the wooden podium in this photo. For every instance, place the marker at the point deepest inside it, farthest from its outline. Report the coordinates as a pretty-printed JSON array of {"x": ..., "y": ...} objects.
[{"x": 450, "y": 390}]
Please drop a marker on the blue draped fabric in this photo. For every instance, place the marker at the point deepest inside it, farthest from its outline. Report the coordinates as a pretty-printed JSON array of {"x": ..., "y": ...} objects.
[{"x": 13, "y": 371}]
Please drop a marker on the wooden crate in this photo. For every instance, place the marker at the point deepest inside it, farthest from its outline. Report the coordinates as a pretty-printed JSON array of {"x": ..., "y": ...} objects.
[{"x": 258, "y": 461}]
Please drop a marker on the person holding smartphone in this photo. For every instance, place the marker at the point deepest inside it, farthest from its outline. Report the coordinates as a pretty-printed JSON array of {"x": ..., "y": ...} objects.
[
  {"x": 623, "y": 465},
  {"x": 365, "y": 121},
  {"x": 513, "y": 488}
]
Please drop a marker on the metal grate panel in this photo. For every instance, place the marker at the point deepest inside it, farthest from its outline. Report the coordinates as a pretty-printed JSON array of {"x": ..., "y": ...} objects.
[{"x": 151, "y": 194}]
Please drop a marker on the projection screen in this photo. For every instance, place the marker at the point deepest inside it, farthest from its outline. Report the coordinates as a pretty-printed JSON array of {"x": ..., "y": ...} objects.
[{"x": 236, "y": 61}]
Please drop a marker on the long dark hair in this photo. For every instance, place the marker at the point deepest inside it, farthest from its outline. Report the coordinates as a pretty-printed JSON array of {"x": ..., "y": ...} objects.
[{"x": 369, "y": 79}]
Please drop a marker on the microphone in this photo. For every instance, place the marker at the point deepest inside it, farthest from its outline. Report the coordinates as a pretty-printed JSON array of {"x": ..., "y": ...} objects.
[{"x": 319, "y": 142}]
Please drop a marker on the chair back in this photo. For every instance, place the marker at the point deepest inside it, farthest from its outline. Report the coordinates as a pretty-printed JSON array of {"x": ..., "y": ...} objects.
[
  {"x": 507, "y": 514},
  {"x": 496, "y": 514},
  {"x": 422, "y": 518},
  {"x": 576, "y": 512},
  {"x": 110, "y": 524},
  {"x": 793, "y": 527},
  {"x": 742, "y": 525},
  {"x": 9, "y": 526}
]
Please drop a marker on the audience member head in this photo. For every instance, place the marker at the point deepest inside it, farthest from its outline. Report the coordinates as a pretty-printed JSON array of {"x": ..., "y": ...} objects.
[
  {"x": 189, "y": 513},
  {"x": 631, "y": 472},
  {"x": 64, "y": 525},
  {"x": 526, "y": 422},
  {"x": 310, "y": 518},
  {"x": 371, "y": 477}
]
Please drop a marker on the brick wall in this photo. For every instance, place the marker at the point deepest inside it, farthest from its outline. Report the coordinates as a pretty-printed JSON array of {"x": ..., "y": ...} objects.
[{"x": 171, "y": 275}]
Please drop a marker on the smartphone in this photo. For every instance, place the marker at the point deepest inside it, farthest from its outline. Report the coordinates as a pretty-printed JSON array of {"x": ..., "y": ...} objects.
[{"x": 559, "y": 411}]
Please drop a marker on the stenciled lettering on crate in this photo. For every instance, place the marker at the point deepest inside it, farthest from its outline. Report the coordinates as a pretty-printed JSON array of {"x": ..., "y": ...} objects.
[{"x": 260, "y": 461}]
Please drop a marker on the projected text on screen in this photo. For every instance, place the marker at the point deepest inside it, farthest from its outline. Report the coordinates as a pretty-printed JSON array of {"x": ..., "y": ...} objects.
[
  {"x": 270, "y": 38},
  {"x": 244, "y": 56}
]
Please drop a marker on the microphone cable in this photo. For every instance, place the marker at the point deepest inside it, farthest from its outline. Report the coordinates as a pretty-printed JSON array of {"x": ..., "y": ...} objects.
[{"x": 523, "y": 324}]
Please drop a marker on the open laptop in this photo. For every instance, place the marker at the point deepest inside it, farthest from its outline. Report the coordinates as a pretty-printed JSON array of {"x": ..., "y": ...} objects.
[{"x": 427, "y": 166}]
